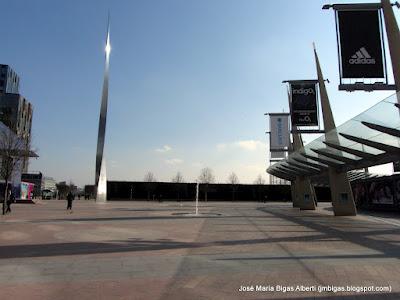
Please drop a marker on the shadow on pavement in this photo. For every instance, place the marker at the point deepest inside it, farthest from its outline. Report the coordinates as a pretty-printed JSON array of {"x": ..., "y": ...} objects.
[
  {"x": 172, "y": 217},
  {"x": 366, "y": 239},
  {"x": 131, "y": 245}
]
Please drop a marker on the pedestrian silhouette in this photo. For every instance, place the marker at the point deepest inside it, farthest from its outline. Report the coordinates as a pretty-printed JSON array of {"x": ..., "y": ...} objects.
[
  {"x": 70, "y": 198},
  {"x": 10, "y": 200}
]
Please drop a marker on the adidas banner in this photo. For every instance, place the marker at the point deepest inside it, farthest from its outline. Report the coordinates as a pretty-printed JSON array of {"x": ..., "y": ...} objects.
[
  {"x": 360, "y": 44},
  {"x": 304, "y": 109}
]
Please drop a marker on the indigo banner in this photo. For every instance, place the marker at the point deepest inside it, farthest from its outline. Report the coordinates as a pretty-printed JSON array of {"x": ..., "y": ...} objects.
[{"x": 304, "y": 109}]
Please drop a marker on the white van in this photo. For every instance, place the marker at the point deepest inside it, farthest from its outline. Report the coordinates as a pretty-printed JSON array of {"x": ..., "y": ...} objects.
[{"x": 47, "y": 194}]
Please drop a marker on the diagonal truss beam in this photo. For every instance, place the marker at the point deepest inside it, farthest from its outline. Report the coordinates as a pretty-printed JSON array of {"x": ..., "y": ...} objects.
[
  {"x": 384, "y": 129},
  {"x": 334, "y": 156},
  {"x": 324, "y": 161},
  {"x": 302, "y": 171},
  {"x": 289, "y": 171},
  {"x": 317, "y": 166},
  {"x": 297, "y": 171},
  {"x": 377, "y": 145},
  {"x": 350, "y": 150},
  {"x": 304, "y": 166},
  {"x": 282, "y": 175}
]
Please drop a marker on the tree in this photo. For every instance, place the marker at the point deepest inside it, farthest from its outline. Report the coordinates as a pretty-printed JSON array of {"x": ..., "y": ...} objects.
[
  {"x": 27, "y": 142},
  {"x": 149, "y": 177},
  {"x": 206, "y": 177},
  {"x": 73, "y": 188},
  {"x": 259, "y": 182},
  {"x": 178, "y": 180},
  {"x": 63, "y": 189},
  {"x": 234, "y": 181},
  {"x": 150, "y": 180},
  {"x": 12, "y": 152}
]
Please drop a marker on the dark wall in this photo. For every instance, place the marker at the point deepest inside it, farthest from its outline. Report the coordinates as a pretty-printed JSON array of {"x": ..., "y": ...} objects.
[
  {"x": 122, "y": 190},
  {"x": 323, "y": 193},
  {"x": 373, "y": 193}
]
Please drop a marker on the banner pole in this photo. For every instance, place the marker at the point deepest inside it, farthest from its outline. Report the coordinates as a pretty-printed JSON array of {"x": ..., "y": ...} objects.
[{"x": 393, "y": 36}]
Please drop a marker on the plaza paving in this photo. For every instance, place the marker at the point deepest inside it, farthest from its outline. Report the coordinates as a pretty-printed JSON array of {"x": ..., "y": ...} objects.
[{"x": 147, "y": 250}]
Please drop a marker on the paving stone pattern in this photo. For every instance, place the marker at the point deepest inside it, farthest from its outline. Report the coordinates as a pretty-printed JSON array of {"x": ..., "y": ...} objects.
[{"x": 145, "y": 250}]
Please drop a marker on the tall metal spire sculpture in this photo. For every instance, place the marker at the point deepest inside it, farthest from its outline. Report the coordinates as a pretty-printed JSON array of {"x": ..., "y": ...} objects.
[
  {"x": 341, "y": 193},
  {"x": 101, "y": 176}
]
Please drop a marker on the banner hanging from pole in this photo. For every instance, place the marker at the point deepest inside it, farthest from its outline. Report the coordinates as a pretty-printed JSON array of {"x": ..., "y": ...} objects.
[
  {"x": 360, "y": 44},
  {"x": 304, "y": 108},
  {"x": 279, "y": 132}
]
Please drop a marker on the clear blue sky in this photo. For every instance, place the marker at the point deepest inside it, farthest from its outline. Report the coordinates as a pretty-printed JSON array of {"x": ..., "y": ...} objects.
[{"x": 190, "y": 81}]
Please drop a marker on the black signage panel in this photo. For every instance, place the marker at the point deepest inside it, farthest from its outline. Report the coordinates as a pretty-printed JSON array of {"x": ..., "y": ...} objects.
[
  {"x": 360, "y": 44},
  {"x": 304, "y": 104}
]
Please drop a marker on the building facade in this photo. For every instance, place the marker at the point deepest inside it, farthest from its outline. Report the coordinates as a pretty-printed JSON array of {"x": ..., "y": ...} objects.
[
  {"x": 48, "y": 183},
  {"x": 15, "y": 178},
  {"x": 16, "y": 113},
  {"x": 9, "y": 80}
]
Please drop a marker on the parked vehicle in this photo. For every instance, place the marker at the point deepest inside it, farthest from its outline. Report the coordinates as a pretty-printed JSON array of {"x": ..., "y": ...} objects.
[{"x": 47, "y": 194}]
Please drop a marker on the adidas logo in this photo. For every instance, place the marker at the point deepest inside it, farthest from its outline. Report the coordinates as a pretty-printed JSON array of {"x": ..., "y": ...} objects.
[
  {"x": 303, "y": 91},
  {"x": 362, "y": 57}
]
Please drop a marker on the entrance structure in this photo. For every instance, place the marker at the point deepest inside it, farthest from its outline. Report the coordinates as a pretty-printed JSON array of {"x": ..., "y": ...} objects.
[
  {"x": 101, "y": 175},
  {"x": 370, "y": 138}
]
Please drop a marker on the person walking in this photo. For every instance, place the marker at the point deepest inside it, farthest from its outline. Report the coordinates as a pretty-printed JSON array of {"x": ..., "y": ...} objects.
[
  {"x": 10, "y": 200},
  {"x": 70, "y": 198}
]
